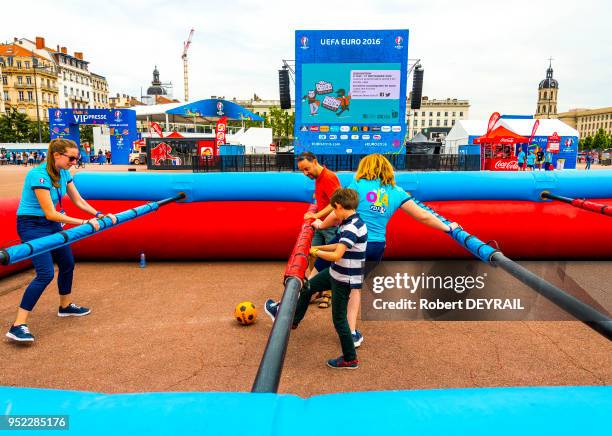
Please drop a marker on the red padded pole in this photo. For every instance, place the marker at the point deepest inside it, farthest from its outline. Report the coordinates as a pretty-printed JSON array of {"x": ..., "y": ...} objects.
[{"x": 298, "y": 261}]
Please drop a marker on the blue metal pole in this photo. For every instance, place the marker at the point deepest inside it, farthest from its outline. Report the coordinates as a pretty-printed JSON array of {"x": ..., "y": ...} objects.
[{"x": 26, "y": 250}]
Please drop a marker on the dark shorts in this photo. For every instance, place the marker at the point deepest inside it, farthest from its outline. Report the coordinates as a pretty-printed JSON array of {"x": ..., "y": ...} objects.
[{"x": 374, "y": 254}]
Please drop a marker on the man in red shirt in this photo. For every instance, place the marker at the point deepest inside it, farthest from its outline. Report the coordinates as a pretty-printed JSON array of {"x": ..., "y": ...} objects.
[{"x": 326, "y": 183}]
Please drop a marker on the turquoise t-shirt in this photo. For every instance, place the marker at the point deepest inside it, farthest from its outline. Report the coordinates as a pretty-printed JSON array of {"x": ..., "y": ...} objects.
[
  {"x": 531, "y": 159},
  {"x": 548, "y": 157},
  {"x": 377, "y": 204},
  {"x": 38, "y": 178},
  {"x": 521, "y": 157}
]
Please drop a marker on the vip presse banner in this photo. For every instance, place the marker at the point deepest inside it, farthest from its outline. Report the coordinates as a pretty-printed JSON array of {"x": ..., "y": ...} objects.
[{"x": 64, "y": 123}]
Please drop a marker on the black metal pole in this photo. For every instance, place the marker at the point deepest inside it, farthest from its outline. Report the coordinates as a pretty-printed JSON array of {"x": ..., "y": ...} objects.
[
  {"x": 583, "y": 204},
  {"x": 581, "y": 311},
  {"x": 548, "y": 196},
  {"x": 597, "y": 321},
  {"x": 179, "y": 196},
  {"x": 271, "y": 366}
]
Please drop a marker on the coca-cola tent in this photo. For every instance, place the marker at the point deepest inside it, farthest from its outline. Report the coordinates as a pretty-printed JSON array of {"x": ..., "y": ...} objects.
[
  {"x": 498, "y": 151},
  {"x": 501, "y": 135}
]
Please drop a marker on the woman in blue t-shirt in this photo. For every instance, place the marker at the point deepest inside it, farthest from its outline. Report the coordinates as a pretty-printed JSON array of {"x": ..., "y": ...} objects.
[
  {"x": 379, "y": 199},
  {"x": 43, "y": 189}
]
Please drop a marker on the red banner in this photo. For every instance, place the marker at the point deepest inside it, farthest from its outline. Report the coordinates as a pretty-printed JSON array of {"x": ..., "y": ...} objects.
[
  {"x": 157, "y": 129},
  {"x": 492, "y": 121},
  {"x": 220, "y": 130},
  {"x": 497, "y": 164},
  {"x": 533, "y": 131},
  {"x": 207, "y": 149},
  {"x": 554, "y": 142}
]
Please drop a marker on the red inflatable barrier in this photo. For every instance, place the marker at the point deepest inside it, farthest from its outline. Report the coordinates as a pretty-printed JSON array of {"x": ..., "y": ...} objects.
[
  {"x": 521, "y": 229},
  {"x": 268, "y": 230},
  {"x": 8, "y": 233}
]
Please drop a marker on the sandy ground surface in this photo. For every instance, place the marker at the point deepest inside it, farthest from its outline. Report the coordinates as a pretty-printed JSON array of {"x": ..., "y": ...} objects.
[{"x": 170, "y": 327}]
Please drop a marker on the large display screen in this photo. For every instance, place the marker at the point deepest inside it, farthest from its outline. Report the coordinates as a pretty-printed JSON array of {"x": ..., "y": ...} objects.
[{"x": 351, "y": 91}]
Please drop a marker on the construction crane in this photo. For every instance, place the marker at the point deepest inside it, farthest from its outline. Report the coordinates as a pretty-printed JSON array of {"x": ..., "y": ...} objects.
[{"x": 186, "y": 45}]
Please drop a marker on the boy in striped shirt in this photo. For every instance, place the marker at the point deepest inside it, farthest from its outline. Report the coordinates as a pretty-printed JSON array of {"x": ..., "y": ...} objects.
[{"x": 345, "y": 273}]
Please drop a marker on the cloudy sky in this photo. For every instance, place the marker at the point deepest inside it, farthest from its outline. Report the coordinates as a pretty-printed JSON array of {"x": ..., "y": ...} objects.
[{"x": 492, "y": 53}]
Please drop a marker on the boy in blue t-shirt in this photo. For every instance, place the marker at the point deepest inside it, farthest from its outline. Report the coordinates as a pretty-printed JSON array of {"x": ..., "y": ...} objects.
[
  {"x": 521, "y": 160},
  {"x": 531, "y": 158}
]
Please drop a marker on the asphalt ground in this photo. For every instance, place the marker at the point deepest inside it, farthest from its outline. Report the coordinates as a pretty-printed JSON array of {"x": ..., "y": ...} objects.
[{"x": 170, "y": 327}]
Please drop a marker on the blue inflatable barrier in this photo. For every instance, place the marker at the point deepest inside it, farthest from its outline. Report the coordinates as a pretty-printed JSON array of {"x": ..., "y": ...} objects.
[
  {"x": 482, "y": 411},
  {"x": 426, "y": 186},
  {"x": 198, "y": 187}
]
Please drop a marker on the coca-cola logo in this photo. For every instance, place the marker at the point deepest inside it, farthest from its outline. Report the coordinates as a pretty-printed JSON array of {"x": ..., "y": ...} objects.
[{"x": 504, "y": 165}]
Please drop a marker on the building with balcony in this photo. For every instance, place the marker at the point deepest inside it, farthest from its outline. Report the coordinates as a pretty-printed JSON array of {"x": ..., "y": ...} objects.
[
  {"x": 99, "y": 89},
  {"x": 436, "y": 117},
  {"x": 29, "y": 81},
  {"x": 588, "y": 121}
]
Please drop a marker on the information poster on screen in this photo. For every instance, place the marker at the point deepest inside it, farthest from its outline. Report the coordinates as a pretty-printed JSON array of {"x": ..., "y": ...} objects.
[
  {"x": 351, "y": 91},
  {"x": 356, "y": 93}
]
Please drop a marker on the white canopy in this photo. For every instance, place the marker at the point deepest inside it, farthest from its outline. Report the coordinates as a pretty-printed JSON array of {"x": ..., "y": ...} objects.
[
  {"x": 460, "y": 133},
  {"x": 463, "y": 129},
  {"x": 155, "y": 109},
  {"x": 546, "y": 127}
]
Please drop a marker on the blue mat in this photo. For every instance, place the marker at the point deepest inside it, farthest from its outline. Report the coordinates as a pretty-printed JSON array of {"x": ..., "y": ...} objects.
[{"x": 487, "y": 411}]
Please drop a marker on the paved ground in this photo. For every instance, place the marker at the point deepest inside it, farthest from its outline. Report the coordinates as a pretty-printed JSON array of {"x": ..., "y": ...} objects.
[{"x": 170, "y": 327}]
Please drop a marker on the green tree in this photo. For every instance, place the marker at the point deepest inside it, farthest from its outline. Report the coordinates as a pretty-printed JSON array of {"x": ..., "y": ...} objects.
[
  {"x": 44, "y": 132},
  {"x": 601, "y": 140},
  {"x": 586, "y": 143},
  {"x": 281, "y": 122},
  {"x": 86, "y": 134},
  {"x": 15, "y": 127}
]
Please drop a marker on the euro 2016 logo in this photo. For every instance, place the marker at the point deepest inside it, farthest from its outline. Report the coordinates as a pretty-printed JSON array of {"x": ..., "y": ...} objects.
[
  {"x": 58, "y": 115},
  {"x": 117, "y": 115},
  {"x": 304, "y": 42},
  {"x": 398, "y": 42},
  {"x": 219, "y": 108}
]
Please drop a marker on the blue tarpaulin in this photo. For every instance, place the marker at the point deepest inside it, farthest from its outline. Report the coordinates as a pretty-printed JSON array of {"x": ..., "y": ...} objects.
[
  {"x": 215, "y": 108},
  {"x": 563, "y": 410}
]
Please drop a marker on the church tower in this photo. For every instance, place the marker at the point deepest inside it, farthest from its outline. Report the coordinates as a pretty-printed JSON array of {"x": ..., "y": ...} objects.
[
  {"x": 156, "y": 87},
  {"x": 547, "y": 95}
]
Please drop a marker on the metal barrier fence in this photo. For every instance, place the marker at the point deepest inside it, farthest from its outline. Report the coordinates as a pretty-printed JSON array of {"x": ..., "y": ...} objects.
[{"x": 335, "y": 162}]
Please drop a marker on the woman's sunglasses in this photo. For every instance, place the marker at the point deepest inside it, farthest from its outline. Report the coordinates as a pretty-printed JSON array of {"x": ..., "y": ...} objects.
[{"x": 71, "y": 158}]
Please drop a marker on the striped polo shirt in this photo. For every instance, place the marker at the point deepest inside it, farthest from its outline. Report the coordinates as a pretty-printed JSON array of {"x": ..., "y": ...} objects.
[{"x": 349, "y": 269}]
